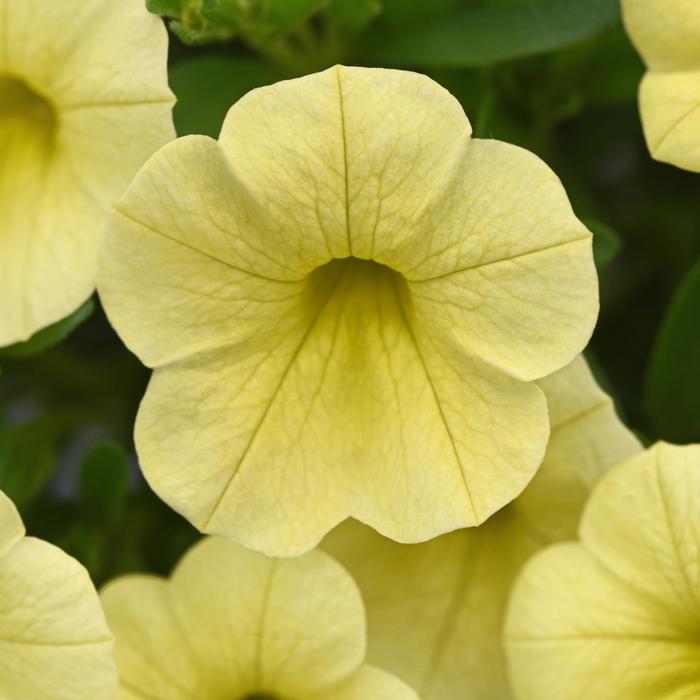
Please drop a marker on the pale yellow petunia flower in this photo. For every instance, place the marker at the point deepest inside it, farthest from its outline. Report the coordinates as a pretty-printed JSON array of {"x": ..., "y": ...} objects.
[
  {"x": 84, "y": 100},
  {"x": 667, "y": 35},
  {"x": 231, "y": 624},
  {"x": 617, "y": 615},
  {"x": 54, "y": 640},
  {"x": 435, "y": 610},
  {"x": 346, "y": 299}
]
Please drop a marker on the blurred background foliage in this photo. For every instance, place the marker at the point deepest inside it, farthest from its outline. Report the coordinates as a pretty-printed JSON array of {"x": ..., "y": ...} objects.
[{"x": 558, "y": 77}]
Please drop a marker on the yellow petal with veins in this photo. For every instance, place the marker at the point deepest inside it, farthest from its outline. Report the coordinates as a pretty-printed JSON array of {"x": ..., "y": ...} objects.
[
  {"x": 54, "y": 641},
  {"x": 629, "y": 591},
  {"x": 84, "y": 101},
  {"x": 346, "y": 300},
  {"x": 435, "y": 610},
  {"x": 668, "y": 39},
  {"x": 231, "y": 623}
]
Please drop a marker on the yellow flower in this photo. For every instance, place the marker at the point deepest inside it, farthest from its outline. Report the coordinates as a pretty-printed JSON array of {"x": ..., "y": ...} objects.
[
  {"x": 84, "y": 100},
  {"x": 54, "y": 641},
  {"x": 231, "y": 624},
  {"x": 346, "y": 299},
  {"x": 617, "y": 615},
  {"x": 435, "y": 610},
  {"x": 667, "y": 35}
]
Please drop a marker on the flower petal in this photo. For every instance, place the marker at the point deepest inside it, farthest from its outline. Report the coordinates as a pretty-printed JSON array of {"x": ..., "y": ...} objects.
[
  {"x": 367, "y": 682},
  {"x": 657, "y": 550},
  {"x": 54, "y": 641},
  {"x": 575, "y": 631},
  {"x": 334, "y": 172},
  {"x": 498, "y": 277},
  {"x": 87, "y": 52},
  {"x": 396, "y": 163},
  {"x": 11, "y": 525},
  {"x": 666, "y": 40},
  {"x": 669, "y": 103},
  {"x": 188, "y": 243},
  {"x": 151, "y": 649},
  {"x": 629, "y": 591},
  {"x": 587, "y": 439},
  {"x": 232, "y": 621}
]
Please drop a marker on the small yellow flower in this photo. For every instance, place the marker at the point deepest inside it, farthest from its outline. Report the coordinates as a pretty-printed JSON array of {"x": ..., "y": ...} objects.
[
  {"x": 84, "y": 100},
  {"x": 54, "y": 641},
  {"x": 346, "y": 299},
  {"x": 667, "y": 35},
  {"x": 231, "y": 624},
  {"x": 435, "y": 610},
  {"x": 617, "y": 615}
]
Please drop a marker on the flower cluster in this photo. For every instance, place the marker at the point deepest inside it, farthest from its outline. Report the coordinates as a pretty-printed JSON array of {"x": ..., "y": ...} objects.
[
  {"x": 428, "y": 603},
  {"x": 354, "y": 312}
]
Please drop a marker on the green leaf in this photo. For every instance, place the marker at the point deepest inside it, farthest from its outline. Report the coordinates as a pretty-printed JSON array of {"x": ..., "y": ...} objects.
[
  {"x": 104, "y": 481},
  {"x": 51, "y": 335},
  {"x": 618, "y": 70},
  {"x": 478, "y": 36},
  {"x": 166, "y": 8},
  {"x": 606, "y": 242},
  {"x": 259, "y": 19},
  {"x": 207, "y": 86},
  {"x": 27, "y": 459},
  {"x": 405, "y": 12},
  {"x": 352, "y": 16},
  {"x": 198, "y": 36},
  {"x": 673, "y": 378}
]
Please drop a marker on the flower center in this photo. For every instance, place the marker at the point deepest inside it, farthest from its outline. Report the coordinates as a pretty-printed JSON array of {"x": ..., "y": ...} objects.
[
  {"x": 259, "y": 696},
  {"x": 27, "y": 139},
  {"x": 27, "y": 119},
  {"x": 364, "y": 280}
]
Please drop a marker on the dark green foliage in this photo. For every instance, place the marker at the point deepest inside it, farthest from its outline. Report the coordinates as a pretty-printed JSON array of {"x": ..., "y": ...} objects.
[
  {"x": 484, "y": 34},
  {"x": 207, "y": 85},
  {"x": 259, "y": 19},
  {"x": 104, "y": 482},
  {"x": 50, "y": 335},
  {"x": 673, "y": 382},
  {"x": 606, "y": 243},
  {"x": 167, "y": 8},
  {"x": 27, "y": 458}
]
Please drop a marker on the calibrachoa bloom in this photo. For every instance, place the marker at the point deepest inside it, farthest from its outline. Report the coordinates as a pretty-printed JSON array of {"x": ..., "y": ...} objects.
[
  {"x": 668, "y": 38},
  {"x": 84, "y": 100},
  {"x": 231, "y": 624},
  {"x": 435, "y": 610},
  {"x": 346, "y": 299},
  {"x": 54, "y": 641},
  {"x": 617, "y": 614}
]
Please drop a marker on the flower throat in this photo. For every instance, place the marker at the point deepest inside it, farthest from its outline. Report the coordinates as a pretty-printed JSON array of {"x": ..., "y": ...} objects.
[{"x": 25, "y": 112}]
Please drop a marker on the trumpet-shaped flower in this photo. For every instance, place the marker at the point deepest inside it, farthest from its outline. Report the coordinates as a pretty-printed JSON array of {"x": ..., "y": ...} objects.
[
  {"x": 668, "y": 39},
  {"x": 54, "y": 641},
  {"x": 231, "y": 624},
  {"x": 346, "y": 300},
  {"x": 84, "y": 101},
  {"x": 435, "y": 610},
  {"x": 617, "y": 615}
]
